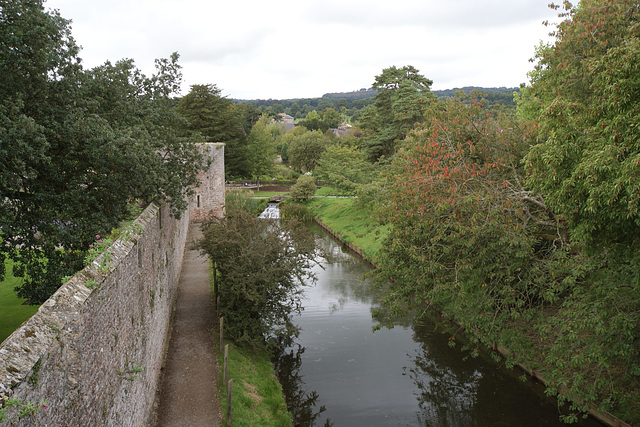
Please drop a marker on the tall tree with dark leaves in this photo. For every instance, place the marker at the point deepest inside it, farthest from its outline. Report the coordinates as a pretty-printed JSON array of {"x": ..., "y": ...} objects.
[
  {"x": 401, "y": 96},
  {"x": 76, "y": 146},
  {"x": 216, "y": 119}
]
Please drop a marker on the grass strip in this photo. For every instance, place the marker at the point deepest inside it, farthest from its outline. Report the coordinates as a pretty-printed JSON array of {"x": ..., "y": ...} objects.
[
  {"x": 352, "y": 222},
  {"x": 257, "y": 398},
  {"x": 13, "y": 312}
]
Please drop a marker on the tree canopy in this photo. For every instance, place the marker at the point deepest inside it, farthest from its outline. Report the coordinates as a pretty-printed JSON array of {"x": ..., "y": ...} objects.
[
  {"x": 76, "y": 145},
  {"x": 262, "y": 266}
]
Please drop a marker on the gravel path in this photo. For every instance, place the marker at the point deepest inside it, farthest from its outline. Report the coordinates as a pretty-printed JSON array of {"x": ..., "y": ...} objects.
[{"x": 188, "y": 388}]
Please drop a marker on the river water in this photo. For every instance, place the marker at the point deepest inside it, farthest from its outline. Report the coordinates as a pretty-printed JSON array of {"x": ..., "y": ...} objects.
[{"x": 341, "y": 373}]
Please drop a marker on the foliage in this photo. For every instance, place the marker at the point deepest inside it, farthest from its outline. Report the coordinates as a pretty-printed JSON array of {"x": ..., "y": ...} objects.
[
  {"x": 465, "y": 231},
  {"x": 214, "y": 118},
  {"x": 303, "y": 189},
  {"x": 585, "y": 93},
  {"x": 261, "y": 148},
  {"x": 346, "y": 168},
  {"x": 261, "y": 264},
  {"x": 305, "y": 149},
  {"x": 77, "y": 145},
  {"x": 401, "y": 94},
  {"x": 294, "y": 210},
  {"x": 241, "y": 200}
]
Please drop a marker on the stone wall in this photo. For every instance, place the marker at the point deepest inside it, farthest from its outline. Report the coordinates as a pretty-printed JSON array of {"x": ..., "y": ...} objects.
[
  {"x": 92, "y": 353},
  {"x": 208, "y": 195}
]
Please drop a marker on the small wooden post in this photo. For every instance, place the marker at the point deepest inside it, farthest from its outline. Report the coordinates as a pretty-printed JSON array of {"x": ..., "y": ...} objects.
[
  {"x": 221, "y": 333},
  {"x": 224, "y": 371},
  {"x": 229, "y": 388}
]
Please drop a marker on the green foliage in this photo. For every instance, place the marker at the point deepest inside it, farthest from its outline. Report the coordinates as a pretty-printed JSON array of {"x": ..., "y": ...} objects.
[
  {"x": 212, "y": 117},
  {"x": 261, "y": 149},
  {"x": 77, "y": 145},
  {"x": 261, "y": 265},
  {"x": 305, "y": 149},
  {"x": 401, "y": 95},
  {"x": 346, "y": 168},
  {"x": 241, "y": 200},
  {"x": 303, "y": 189},
  {"x": 585, "y": 93},
  {"x": 292, "y": 210}
]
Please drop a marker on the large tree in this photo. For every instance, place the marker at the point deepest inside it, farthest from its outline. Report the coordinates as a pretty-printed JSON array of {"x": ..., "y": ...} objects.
[
  {"x": 262, "y": 265},
  {"x": 585, "y": 93},
  {"x": 76, "y": 146},
  {"x": 399, "y": 102},
  {"x": 216, "y": 118}
]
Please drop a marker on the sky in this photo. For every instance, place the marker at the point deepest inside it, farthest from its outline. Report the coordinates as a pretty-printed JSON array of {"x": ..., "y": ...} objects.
[{"x": 257, "y": 49}]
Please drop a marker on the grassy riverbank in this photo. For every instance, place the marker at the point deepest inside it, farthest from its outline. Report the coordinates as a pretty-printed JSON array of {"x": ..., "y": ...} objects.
[
  {"x": 257, "y": 398},
  {"x": 353, "y": 223}
]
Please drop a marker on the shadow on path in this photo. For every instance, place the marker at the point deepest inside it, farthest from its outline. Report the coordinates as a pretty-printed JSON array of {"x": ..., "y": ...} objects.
[{"x": 188, "y": 395}]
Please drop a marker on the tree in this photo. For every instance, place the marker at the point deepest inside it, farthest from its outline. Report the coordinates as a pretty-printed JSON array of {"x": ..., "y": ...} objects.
[
  {"x": 261, "y": 150},
  {"x": 313, "y": 121},
  {"x": 262, "y": 266},
  {"x": 401, "y": 96},
  {"x": 305, "y": 150},
  {"x": 215, "y": 118},
  {"x": 585, "y": 95},
  {"x": 303, "y": 189},
  {"x": 346, "y": 168},
  {"x": 331, "y": 118},
  {"x": 76, "y": 146}
]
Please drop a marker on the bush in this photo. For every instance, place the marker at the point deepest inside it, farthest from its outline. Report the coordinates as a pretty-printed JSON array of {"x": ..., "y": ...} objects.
[{"x": 303, "y": 189}]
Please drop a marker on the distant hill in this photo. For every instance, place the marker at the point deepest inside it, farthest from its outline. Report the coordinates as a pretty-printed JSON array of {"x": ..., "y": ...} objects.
[{"x": 447, "y": 93}]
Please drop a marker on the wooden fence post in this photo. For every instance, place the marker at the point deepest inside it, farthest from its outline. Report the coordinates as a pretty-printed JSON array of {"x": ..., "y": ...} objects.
[
  {"x": 229, "y": 389},
  {"x": 221, "y": 333},
  {"x": 224, "y": 371}
]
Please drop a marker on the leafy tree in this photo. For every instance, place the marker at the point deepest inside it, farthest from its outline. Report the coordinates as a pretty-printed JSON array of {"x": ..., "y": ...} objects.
[
  {"x": 215, "y": 118},
  {"x": 77, "y": 146},
  {"x": 401, "y": 95},
  {"x": 303, "y": 189},
  {"x": 261, "y": 149},
  {"x": 305, "y": 150},
  {"x": 262, "y": 266},
  {"x": 313, "y": 121},
  {"x": 585, "y": 95},
  {"x": 331, "y": 118},
  {"x": 347, "y": 168}
]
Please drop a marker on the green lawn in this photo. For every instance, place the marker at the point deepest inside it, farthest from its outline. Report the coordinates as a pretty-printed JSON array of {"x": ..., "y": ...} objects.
[
  {"x": 354, "y": 224},
  {"x": 12, "y": 310}
]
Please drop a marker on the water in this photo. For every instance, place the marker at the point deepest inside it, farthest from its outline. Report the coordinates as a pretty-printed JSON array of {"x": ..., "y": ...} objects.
[
  {"x": 343, "y": 374},
  {"x": 271, "y": 211}
]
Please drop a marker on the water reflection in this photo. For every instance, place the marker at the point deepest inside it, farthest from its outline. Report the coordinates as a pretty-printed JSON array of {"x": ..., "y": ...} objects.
[{"x": 341, "y": 373}]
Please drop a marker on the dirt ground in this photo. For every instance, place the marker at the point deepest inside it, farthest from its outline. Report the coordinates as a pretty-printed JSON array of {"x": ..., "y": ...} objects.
[{"x": 188, "y": 395}]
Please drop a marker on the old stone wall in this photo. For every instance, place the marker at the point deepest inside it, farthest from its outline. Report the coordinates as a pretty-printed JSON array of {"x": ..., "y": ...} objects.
[{"x": 92, "y": 353}]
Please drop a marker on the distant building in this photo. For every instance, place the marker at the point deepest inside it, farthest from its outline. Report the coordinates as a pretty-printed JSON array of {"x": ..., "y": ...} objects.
[
  {"x": 286, "y": 121},
  {"x": 342, "y": 130}
]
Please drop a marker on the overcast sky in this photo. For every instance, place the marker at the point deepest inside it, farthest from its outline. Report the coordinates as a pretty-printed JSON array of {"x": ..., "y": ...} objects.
[{"x": 257, "y": 49}]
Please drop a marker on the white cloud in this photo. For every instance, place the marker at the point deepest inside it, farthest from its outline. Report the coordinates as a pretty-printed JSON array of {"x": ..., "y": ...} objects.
[{"x": 256, "y": 49}]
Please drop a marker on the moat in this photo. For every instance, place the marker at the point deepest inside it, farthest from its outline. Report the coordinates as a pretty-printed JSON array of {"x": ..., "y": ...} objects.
[{"x": 341, "y": 373}]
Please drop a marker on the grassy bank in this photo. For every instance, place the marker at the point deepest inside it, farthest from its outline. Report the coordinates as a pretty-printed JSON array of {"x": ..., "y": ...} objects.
[
  {"x": 257, "y": 398},
  {"x": 352, "y": 222},
  {"x": 12, "y": 309}
]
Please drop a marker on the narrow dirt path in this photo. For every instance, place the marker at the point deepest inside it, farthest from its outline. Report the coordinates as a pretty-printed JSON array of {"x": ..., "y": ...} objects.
[{"x": 188, "y": 394}]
